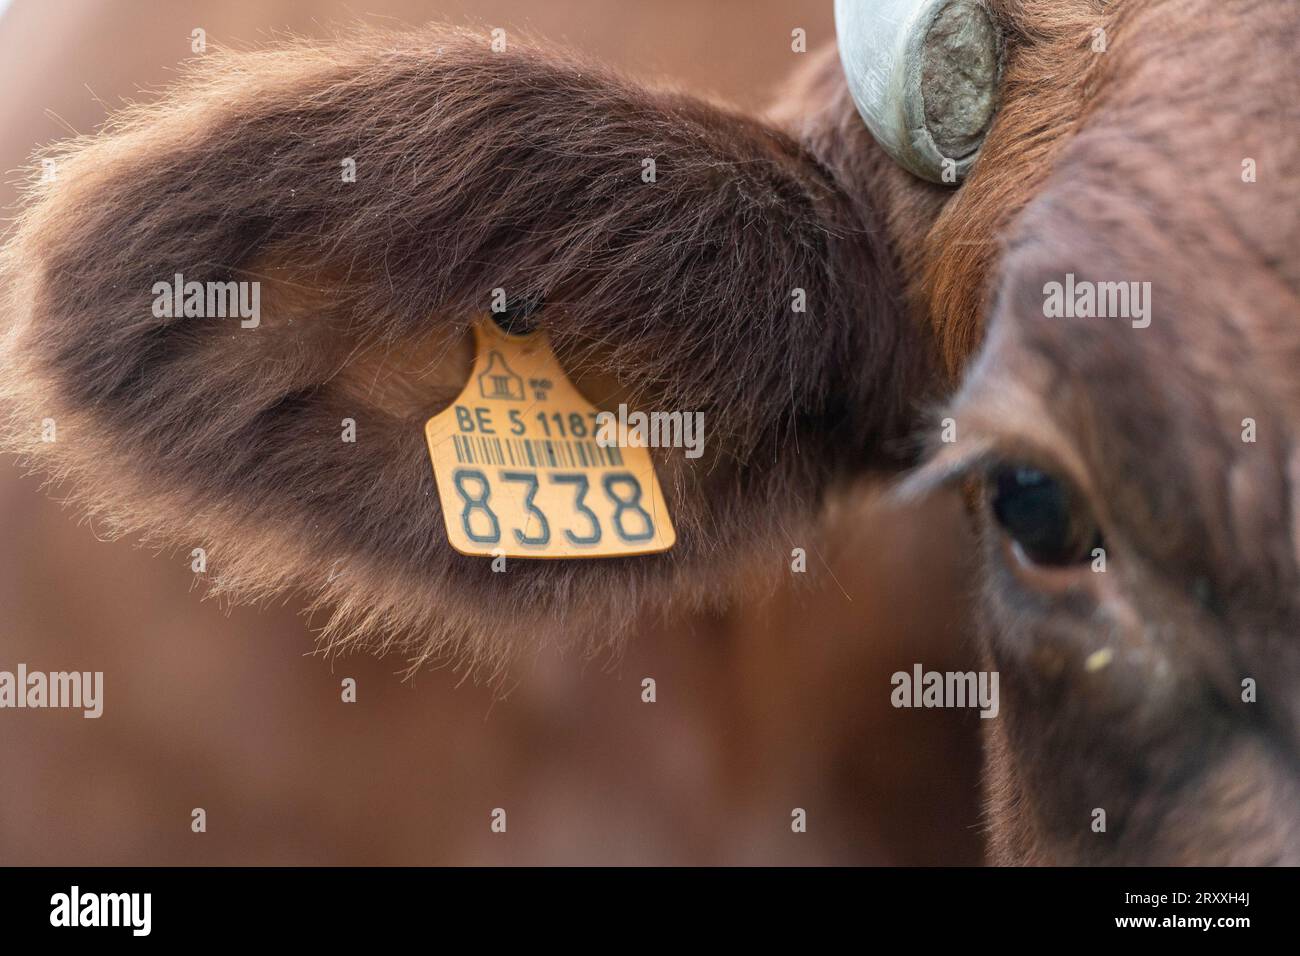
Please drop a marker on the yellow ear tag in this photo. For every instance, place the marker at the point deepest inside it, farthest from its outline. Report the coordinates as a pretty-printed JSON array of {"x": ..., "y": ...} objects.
[{"x": 519, "y": 469}]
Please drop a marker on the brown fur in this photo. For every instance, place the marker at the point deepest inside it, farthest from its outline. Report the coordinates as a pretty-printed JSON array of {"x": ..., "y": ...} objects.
[
  {"x": 476, "y": 170},
  {"x": 521, "y": 170},
  {"x": 1202, "y": 588}
]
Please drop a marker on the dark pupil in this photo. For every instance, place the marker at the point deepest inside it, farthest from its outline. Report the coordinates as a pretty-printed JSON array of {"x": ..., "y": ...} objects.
[{"x": 1034, "y": 509}]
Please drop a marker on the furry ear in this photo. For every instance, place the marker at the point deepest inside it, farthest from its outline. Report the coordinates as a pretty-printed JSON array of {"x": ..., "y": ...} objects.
[{"x": 474, "y": 170}]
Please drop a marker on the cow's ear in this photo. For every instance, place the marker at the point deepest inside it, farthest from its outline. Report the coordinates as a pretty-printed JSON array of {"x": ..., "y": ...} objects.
[{"x": 378, "y": 191}]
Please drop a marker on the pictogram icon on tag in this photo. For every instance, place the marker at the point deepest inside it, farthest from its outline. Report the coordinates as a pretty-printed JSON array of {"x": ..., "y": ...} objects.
[{"x": 520, "y": 471}]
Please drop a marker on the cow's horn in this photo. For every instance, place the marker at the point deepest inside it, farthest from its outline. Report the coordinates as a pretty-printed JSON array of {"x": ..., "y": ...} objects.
[{"x": 924, "y": 75}]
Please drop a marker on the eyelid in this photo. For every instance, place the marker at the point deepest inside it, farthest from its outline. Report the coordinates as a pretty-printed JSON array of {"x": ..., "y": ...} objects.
[
  {"x": 982, "y": 447},
  {"x": 948, "y": 466},
  {"x": 951, "y": 465},
  {"x": 1047, "y": 579}
]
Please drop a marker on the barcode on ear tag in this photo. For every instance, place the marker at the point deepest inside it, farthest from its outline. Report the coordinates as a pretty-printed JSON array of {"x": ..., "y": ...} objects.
[{"x": 520, "y": 471}]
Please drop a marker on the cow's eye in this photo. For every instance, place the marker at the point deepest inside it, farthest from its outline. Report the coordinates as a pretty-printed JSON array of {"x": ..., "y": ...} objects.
[{"x": 1041, "y": 515}]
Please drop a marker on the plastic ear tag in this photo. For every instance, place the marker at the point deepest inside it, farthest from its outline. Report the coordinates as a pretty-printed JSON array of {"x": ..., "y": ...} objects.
[{"x": 519, "y": 469}]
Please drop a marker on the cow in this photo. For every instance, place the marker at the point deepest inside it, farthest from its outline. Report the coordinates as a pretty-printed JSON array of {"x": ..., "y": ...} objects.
[{"x": 1133, "y": 478}]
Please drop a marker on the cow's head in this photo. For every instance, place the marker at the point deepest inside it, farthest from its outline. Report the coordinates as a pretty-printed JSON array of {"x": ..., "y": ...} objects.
[{"x": 978, "y": 153}]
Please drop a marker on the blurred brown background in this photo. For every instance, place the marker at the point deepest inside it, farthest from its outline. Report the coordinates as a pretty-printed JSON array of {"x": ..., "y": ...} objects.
[{"x": 781, "y": 703}]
